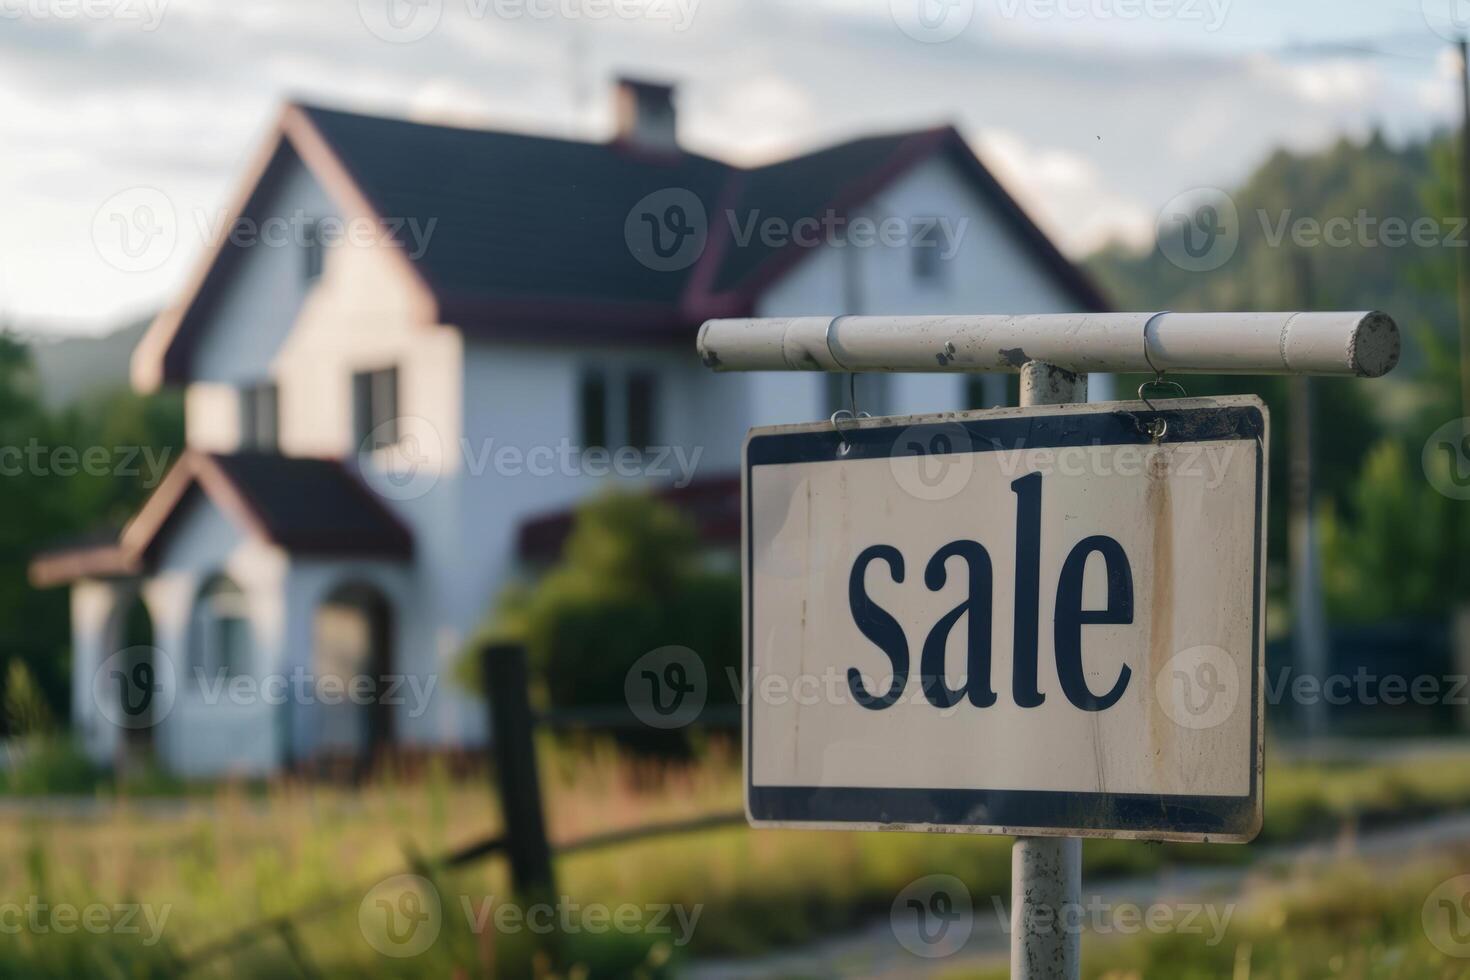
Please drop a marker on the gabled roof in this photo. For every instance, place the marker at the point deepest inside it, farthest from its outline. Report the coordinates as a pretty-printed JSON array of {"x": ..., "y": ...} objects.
[
  {"x": 528, "y": 231},
  {"x": 305, "y": 506}
]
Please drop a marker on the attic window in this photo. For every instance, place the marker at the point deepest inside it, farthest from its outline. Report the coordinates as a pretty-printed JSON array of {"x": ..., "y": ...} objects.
[
  {"x": 259, "y": 417},
  {"x": 314, "y": 250},
  {"x": 375, "y": 409},
  {"x": 928, "y": 263}
]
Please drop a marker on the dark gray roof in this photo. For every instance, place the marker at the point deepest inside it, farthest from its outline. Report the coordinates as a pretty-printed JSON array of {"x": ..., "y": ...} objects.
[
  {"x": 530, "y": 220},
  {"x": 526, "y": 234}
]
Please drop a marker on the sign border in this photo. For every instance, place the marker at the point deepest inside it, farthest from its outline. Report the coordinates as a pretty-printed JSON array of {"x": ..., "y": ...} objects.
[{"x": 1031, "y": 813}]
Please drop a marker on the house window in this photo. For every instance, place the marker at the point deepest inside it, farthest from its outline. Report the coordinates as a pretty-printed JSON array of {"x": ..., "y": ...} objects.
[
  {"x": 314, "y": 249},
  {"x": 375, "y": 409},
  {"x": 221, "y": 632},
  {"x": 642, "y": 403},
  {"x": 592, "y": 409},
  {"x": 259, "y": 417},
  {"x": 928, "y": 263}
]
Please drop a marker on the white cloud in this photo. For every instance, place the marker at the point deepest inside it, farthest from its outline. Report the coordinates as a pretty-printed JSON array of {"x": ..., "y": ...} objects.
[{"x": 1065, "y": 194}]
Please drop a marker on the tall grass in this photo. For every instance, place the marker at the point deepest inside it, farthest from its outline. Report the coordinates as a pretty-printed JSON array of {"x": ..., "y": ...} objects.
[{"x": 241, "y": 853}]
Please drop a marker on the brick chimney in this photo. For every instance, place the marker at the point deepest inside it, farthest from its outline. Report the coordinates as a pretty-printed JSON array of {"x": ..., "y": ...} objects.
[{"x": 645, "y": 114}]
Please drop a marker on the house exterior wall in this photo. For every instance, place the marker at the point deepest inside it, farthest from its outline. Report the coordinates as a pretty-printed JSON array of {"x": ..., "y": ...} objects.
[{"x": 496, "y": 428}]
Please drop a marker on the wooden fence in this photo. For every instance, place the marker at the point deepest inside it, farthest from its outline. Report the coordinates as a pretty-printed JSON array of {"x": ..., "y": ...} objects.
[{"x": 523, "y": 840}]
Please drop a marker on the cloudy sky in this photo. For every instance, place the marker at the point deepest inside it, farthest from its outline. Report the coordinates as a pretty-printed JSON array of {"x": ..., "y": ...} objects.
[{"x": 1094, "y": 112}]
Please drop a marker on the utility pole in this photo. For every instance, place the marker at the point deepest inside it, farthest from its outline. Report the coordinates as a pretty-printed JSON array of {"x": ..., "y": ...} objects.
[
  {"x": 1464, "y": 266},
  {"x": 1308, "y": 617}
]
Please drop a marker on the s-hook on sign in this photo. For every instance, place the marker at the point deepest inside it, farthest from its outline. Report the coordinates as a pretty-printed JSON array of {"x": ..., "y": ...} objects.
[{"x": 1039, "y": 621}]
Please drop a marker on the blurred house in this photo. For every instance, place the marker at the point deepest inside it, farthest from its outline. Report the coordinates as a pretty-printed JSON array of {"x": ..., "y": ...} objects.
[{"x": 382, "y": 428}]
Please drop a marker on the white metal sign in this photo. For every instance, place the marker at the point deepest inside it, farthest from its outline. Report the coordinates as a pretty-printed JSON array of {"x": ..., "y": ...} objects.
[{"x": 1022, "y": 621}]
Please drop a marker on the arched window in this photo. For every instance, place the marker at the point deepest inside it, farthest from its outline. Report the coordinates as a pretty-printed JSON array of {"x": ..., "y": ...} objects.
[{"x": 220, "y": 647}]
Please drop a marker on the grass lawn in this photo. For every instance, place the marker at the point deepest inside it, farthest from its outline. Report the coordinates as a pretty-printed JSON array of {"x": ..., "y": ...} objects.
[
  {"x": 218, "y": 860},
  {"x": 1353, "y": 923}
]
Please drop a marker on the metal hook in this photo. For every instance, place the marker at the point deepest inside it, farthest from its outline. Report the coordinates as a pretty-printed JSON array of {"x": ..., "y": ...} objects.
[
  {"x": 852, "y": 414},
  {"x": 1156, "y": 428}
]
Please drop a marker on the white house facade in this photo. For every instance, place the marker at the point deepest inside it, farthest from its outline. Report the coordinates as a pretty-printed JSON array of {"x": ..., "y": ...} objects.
[{"x": 456, "y": 336}]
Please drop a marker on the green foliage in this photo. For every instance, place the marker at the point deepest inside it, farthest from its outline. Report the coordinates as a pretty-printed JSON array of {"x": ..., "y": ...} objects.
[
  {"x": 48, "y": 495},
  {"x": 50, "y": 766},
  {"x": 26, "y": 711},
  {"x": 1396, "y": 559},
  {"x": 631, "y": 580},
  {"x": 1372, "y": 177}
]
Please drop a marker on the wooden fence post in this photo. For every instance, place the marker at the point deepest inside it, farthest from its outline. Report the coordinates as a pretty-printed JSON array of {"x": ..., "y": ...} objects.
[{"x": 512, "y": 727}]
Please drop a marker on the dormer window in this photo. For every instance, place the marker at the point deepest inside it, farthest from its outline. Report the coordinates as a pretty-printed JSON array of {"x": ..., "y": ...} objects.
[
  {"x": 375, "y": 409},
  {"x": 260, "y": 417}
]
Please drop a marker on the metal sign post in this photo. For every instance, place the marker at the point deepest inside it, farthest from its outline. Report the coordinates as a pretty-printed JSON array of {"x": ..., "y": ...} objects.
[
  {"x": 1046, "y": 872},
  {"x": 875, "y": 784}
]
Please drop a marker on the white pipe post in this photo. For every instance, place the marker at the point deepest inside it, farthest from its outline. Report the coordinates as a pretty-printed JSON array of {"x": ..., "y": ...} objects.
[
  {"x": 1046, "y": 872},
  {"x": 1361, "y": 344},
  {"x": 1053, "y": 354}
]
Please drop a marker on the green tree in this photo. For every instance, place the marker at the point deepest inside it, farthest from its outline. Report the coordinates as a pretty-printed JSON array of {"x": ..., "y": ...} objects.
[
  {"x": 47, "y": 496},
  {"x": 633, "y": 578}
]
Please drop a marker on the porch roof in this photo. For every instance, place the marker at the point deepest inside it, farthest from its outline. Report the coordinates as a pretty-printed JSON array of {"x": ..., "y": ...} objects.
[{"x": 306, "y": 506}]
